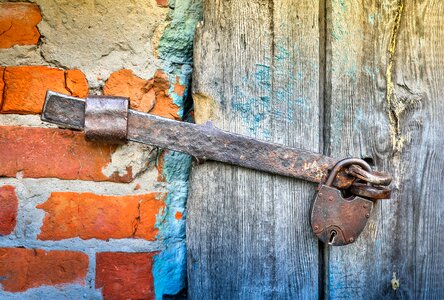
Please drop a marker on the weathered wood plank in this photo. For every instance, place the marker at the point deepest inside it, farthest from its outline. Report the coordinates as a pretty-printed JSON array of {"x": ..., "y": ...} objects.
[
  {"x": 385, "y": 83},
  {"x": 256, "y": 73}
]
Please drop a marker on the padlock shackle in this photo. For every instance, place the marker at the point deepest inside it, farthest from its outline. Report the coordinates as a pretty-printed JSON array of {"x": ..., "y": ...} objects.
[{"x": 344, "y": 163}]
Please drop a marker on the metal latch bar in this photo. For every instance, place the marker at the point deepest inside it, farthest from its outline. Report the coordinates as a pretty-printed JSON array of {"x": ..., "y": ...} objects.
[{"x": 204, "y": 142}]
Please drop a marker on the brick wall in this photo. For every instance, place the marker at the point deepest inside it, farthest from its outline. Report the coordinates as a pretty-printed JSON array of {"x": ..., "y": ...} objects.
[{"x": 80, "y": 220}]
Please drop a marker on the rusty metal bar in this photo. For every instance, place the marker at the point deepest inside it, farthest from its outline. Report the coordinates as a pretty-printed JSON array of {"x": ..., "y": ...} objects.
[{"x": 204, "y": 142}]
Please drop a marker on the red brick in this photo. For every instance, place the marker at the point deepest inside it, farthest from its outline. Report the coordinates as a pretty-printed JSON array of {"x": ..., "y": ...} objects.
[
  {"x": 21, "y": 269},
  {"x": 162, "y": 3},
  {"x": 26, "y": 86},
  {"x": 88, "y": 216},
  {"x": 125, "y": 275},
  {"x": 76, "y": 83},
  {"x": 18, "y": 24},
  {"x": 150, "y": 95},
  {"x": 8, "y": 209},
  {"x": 164, "y": 105},
  {"x": 125, "y": 84},
  {"x": 56, "y": 153}
]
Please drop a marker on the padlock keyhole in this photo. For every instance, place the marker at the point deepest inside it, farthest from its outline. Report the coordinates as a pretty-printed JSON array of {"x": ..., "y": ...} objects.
[{"x": 333, "y": 235}]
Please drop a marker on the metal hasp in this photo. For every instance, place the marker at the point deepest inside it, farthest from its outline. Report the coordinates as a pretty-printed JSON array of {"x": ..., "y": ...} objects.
[{"x": 109, "y": 119}]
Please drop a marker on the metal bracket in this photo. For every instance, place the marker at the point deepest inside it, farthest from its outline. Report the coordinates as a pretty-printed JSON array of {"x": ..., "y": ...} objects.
[{"x": 106, "y": 119}]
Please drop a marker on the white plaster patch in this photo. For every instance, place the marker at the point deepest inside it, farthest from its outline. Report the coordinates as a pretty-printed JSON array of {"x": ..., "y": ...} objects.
[
  {"x": 131, "y": 154},
  {"x": 101, "y": 36}
]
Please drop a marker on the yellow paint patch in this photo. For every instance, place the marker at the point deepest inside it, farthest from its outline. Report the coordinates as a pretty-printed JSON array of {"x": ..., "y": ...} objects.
[{"x": 205, "y": 108}]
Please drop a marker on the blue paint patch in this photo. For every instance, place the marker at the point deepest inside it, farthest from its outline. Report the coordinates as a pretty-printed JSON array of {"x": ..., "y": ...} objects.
[
  {"x": 371, "y": 19},
  {"x": 169, "y": 269},
  {"x": 255, "y": 111},
  {"x": 342, "y": 5},
  {"x": 182, "y": 76},
  {"x": 357, "y": 120}
]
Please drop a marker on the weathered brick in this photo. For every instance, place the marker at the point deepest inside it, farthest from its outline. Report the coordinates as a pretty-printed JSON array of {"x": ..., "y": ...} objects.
[
  {"x": 125, "y": 275},
  {"x": 164, "y": 105},
  {"x": 150, "y": 95},
  {"x": 88, "y": 216},
  {"x": 18, "y": 23},
  {"x": 56, "y": 153},
  {"x": 76, "y": 83},
  {"x": 162, "y": 3},
  {"x": 8, "y": 209},
  {"x": 26, "y": 86},
  {"x": 21, "y": 269},
  {"x": 125, "y": 84}
]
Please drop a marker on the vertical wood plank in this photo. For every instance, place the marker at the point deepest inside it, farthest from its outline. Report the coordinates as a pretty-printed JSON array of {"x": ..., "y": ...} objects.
[
  {"x": 256, "y": 73},
  {"x": 385, "y": 83}
]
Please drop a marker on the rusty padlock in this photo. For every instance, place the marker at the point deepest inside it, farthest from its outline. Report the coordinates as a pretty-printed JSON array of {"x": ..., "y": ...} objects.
[{"x": 334, "y": 219}]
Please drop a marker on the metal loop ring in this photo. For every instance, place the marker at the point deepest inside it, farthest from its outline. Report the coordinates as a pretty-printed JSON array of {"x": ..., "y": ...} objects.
[
  {"x": 369, "y": 191},
  {"x": 374, "y": 177}
]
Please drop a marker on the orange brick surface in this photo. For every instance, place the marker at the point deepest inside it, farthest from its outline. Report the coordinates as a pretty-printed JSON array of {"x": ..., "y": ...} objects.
[
  {"x": 18, "y": 23},
  {"x": 25, "y": 87},
  {"x": 125, "y": 275},
  {"x": 88, "y": 216},
  {"x": 8, "y": 209},
  {"x": 164, "y": 106},
  {"x": 125, "y": 84},
  {"x": 57, "y": 153},
  {"x": 21, "y": 269},
  {"x": 150, "y": 95}
]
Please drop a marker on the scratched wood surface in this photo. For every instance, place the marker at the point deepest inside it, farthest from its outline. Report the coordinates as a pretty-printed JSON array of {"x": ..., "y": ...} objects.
[
  {"x": 384, "y": 93},
  {"x": 256, "y": 73}
]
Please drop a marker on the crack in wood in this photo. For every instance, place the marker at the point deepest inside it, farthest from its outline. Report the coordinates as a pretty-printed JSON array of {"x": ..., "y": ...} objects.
[{"x": 394, "y": 107}]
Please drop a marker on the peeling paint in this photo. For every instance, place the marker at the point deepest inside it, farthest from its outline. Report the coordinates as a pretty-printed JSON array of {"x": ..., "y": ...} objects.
[
  {"x": 176, "y": 43},
  {"x": 175, "y": 50},
  {"x": 169, "y": 269}
]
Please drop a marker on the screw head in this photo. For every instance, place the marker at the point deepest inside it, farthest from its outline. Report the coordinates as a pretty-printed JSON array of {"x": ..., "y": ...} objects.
[
  {"x": 367, "y": 215},
  {"x": 351, "y": 240},
  {"x": 315, "y": 227}
]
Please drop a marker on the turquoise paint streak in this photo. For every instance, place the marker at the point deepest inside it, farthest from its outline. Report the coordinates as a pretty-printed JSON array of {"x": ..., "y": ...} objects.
[
  {"x": 176, "y": 43},
  {"x": 255, "y": 110},
  {"x": 175, "y": 50},
  {"x": 169, "y": 269}
]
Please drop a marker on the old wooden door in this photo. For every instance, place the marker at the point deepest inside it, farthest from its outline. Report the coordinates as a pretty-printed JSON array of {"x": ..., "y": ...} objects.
[{"x": 346, "y": 78}]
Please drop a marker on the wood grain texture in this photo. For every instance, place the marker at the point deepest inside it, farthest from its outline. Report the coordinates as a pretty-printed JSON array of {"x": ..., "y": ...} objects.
[
  {"x": 256, "y": 73},
  {"x": 385, "y": 83}
]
